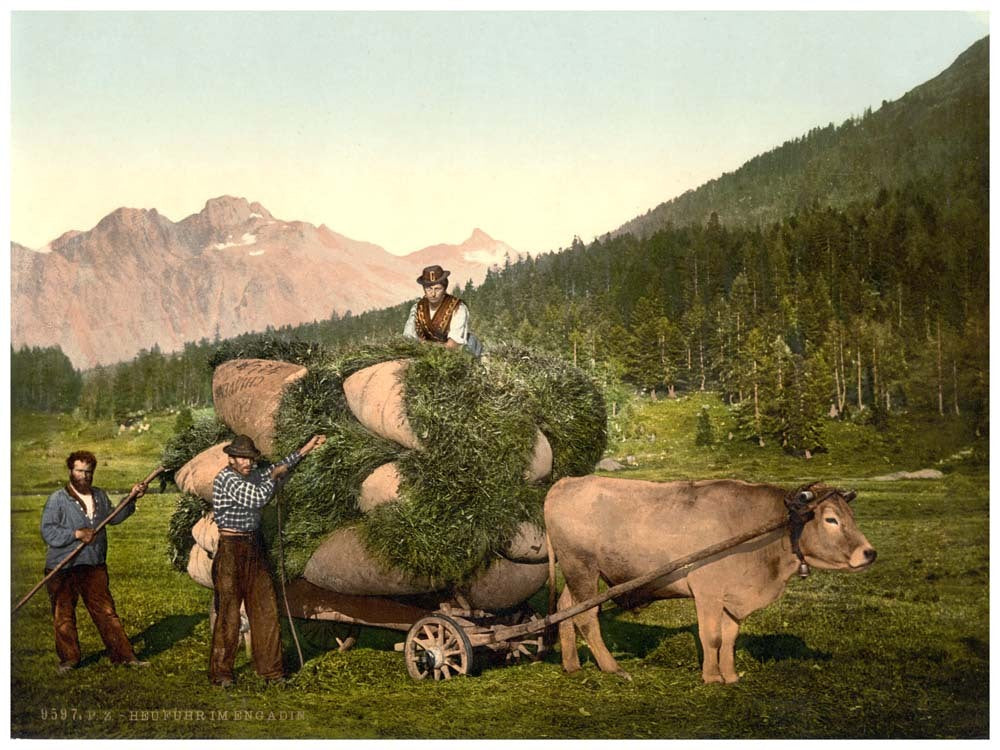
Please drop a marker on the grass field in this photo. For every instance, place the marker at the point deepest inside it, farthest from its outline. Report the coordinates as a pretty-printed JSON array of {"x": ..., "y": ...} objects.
[{"x": 900, "y": 651}]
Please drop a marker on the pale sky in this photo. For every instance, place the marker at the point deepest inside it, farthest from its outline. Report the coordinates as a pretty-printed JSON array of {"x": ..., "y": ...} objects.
[{"x": 410, "y": 129}]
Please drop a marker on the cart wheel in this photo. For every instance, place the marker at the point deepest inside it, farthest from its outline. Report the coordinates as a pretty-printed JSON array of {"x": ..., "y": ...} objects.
[
  {"x": 437, "y": 645},
  {"x": 530, "y": 647}
]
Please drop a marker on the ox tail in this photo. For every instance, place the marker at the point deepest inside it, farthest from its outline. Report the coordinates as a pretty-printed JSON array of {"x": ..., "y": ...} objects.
[{"x": 552, "y": 573}]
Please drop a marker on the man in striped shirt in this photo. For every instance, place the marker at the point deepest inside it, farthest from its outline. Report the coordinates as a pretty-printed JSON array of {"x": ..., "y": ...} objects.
[{"x": 241, "y": 573}]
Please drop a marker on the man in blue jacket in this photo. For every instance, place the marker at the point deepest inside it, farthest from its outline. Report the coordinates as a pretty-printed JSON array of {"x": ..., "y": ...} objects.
[{"x": 71, "y": 515}]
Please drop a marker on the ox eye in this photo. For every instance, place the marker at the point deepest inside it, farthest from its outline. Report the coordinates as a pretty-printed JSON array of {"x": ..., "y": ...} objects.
[{"x": 831, "y": 520}]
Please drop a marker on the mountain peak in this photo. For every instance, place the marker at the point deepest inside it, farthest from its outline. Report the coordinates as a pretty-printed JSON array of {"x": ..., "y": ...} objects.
[
  {"x": 478, "y": 237},
  {"x": 127, "y": 218},
  {"x": 228, "y": 211}
]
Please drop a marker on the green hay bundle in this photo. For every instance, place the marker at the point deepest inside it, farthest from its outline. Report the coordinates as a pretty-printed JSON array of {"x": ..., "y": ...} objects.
[
  {"x": 257, "y": 346},
  {"x": 464, "y": 495},
  {"x": 187, "y": 513},
  {"x": 205, "y": 432},
  {"x": 565, "y": 405}
]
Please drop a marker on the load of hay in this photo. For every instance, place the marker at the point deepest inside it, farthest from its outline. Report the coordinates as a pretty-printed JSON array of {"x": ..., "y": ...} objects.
[{"x": 433, "y": 473}]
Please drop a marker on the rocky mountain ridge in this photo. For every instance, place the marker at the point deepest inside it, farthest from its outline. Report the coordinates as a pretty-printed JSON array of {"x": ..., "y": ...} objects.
[{"x": 138, "y": 280}]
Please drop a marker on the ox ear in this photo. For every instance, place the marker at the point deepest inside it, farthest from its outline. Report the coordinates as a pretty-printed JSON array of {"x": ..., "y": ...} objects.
[{"x": 850, "y": 495}]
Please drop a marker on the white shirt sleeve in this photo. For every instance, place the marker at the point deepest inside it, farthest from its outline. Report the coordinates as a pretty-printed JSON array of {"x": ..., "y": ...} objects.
[
  {"x": 410, "y": 329},
  {"x": 458, "y": 331}
]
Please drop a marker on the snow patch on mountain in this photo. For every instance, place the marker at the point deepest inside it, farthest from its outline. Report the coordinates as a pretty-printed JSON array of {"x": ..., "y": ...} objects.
[
  {"x": 486, "y": 257},
  {"x": 246, "y": 239}
]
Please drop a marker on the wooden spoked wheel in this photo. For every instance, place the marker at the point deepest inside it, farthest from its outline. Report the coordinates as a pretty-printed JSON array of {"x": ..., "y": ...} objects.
[
  {"x": 437, "y": 646},
  {"x": 530, "y": 647}
]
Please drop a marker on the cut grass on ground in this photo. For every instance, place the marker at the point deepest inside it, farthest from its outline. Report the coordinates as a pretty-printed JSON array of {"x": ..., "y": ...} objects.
[{"x": 900, "y": 651}]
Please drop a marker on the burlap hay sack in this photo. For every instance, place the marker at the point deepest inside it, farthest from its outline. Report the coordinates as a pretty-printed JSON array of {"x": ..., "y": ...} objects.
[
  {"x": 247, "y": 393},
  {"x": 375, "y": 397},
  {"x": 528, "y": 545},
  {"x": 381, "y": 486},
  {"x": 206, "y": 534},
  {"x": 196, "y": 476},
  {"x": 342, "y": 564},
  {"x": 504, "y": 584},
  {"x": 541, "y": 459},
  {"x": 200, "y": 566}
]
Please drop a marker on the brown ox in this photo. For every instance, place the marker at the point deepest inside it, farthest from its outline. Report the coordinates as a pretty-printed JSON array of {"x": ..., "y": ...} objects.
[{"x": 619, "y": 529}]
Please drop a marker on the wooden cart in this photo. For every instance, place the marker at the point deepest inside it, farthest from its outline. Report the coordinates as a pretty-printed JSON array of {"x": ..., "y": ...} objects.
[{"x": 442, "y": 643}]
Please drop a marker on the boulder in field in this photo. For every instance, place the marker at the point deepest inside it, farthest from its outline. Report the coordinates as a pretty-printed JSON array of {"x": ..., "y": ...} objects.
[
  {"x": 541, "y": 459},
  {"x": 608, "y": 464},
  {"x": 921, "y": 474}
]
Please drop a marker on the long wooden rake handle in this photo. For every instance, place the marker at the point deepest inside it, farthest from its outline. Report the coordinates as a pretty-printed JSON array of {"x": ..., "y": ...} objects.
[{"x": 66, "y": 560}]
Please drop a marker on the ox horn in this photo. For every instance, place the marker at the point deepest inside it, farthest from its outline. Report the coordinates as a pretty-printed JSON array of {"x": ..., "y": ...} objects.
[{"x": 850, "y": 495}]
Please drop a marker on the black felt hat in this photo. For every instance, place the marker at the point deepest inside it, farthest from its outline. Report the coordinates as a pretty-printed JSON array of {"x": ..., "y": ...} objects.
[{"x": 243, "y": 447}]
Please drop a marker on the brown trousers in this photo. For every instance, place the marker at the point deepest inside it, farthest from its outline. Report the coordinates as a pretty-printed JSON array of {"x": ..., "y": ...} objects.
[
  {"x": 89, "y": 582},
  {"x": 241, "y": 575}
]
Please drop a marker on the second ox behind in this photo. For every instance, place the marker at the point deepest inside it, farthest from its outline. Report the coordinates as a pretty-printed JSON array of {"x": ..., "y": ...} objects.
[{"x": 620, "y": 529}]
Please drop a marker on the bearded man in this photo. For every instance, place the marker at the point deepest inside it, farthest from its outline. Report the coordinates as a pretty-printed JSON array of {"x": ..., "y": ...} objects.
[
  {"x": 241, "y": 573},
  {"x": 71, "y": 516},
  {"x": 438, "y": 317}
]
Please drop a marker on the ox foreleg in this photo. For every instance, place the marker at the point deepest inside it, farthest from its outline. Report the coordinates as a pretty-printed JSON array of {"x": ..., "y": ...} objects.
[
  {"x": 581, "y": 582},
  {"x": 727, "y": 650},
  {"x": 567, "y": 635},
  {"x": 591, "y": 629},
  {"x": 710, "y": 618}
]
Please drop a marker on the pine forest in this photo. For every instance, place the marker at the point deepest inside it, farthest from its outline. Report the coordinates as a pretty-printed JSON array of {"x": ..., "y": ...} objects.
[{"x": 844, "y": 275}]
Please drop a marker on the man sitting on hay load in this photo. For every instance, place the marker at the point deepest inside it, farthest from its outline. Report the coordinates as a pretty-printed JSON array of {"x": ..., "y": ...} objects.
[{"x": 440, "y": 318}]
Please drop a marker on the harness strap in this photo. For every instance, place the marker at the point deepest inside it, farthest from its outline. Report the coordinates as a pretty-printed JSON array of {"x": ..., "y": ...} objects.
[{"x": 801, "y": 504}]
